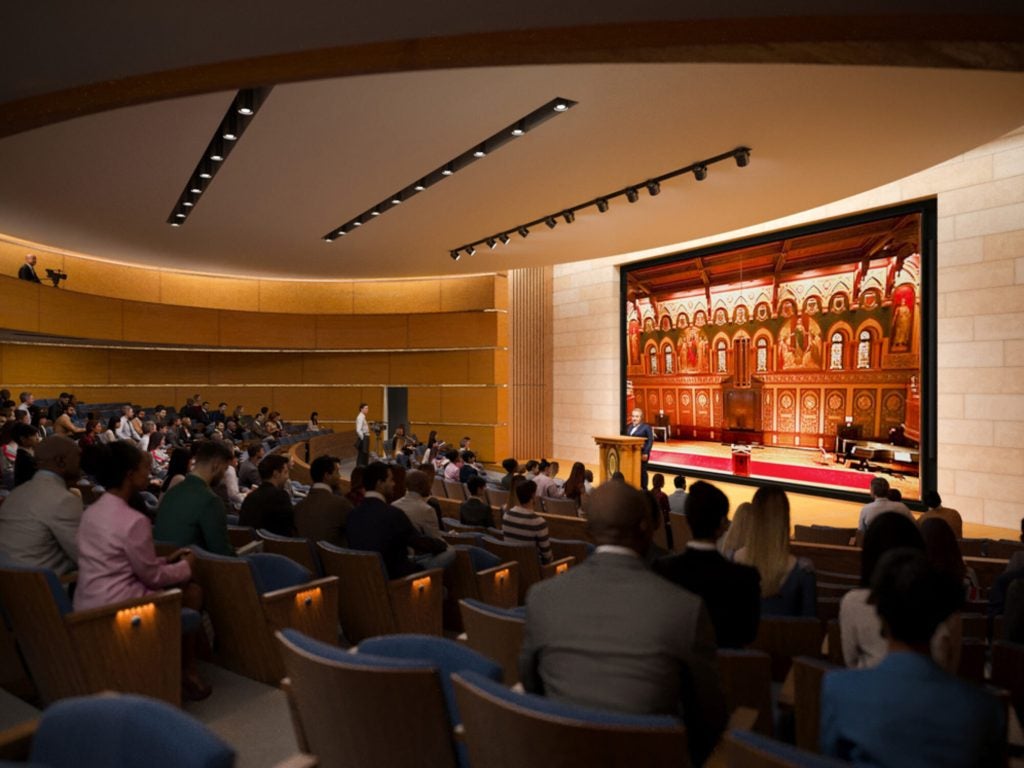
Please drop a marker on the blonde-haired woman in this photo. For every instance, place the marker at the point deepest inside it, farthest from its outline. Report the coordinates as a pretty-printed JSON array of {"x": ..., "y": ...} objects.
[
  {"x": 788, "y": 585},
  {"x": 739, "y": 531}
]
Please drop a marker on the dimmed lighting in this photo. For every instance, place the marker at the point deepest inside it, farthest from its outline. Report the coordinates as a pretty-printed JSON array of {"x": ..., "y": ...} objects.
[
  {"x": 504, "y": 238},
  {"x": 217, "y": 151},
  {"x": 195, "y": 189},
  {"x": 700, "y": 172},
  {"x": 653, "y": 188},
  {"x": 357, "y": 223},
  {"x": 602, "y": 204},
  {"x": 632, "y": 195},
  {"x": 397, "y": 199},
  {"x": 205, "y": 170},
  {"x": 560, "y": 105},
  {"x": 375, "y": 212},
  {"x": 550, "y": 221},
  {"x": 230, "y": 132},
  {"x": 246, "y": 103},
  {"x": 471, "y": 251},
  {"x": 179, "y": 215},
  {"x": 175, "y": 223}
]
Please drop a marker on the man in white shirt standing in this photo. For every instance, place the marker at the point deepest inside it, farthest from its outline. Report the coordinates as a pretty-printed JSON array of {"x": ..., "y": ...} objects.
[
  {"x": 362, "y": 436},
  {"x": 879, "y": 503}
]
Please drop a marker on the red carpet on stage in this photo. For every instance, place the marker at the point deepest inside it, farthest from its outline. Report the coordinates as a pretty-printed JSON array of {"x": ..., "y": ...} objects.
[{"x": 768, "y": 470}]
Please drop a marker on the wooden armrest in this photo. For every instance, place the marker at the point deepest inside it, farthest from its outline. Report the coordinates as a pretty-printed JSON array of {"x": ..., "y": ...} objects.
[
  {"x": 298, "y": 761},
  {"x": 16, "y": 742},
  {"x": 288, "y": 592},
  {"x": 404, "y": 583},
  {"x": 556, "y": 567},
  {"x": 157, "y": 598}
]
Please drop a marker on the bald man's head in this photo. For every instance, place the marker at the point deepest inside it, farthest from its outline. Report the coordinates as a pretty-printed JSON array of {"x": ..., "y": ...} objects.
[
  {"x": 59, "y": 454},
  {"x": 617, "y": 514}
]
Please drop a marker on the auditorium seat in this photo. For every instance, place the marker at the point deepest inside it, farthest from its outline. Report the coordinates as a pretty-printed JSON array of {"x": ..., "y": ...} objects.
[
  {"x": 451, "y": 524},
  {"x": 240, "y": 535},
  {"x": 680, "y": 531},
  {"x": 302, "y": 551},
  {"x": 786, "y": 637},
  {"x": 563, "y": 548},
  {"x": 565, "y": 507},
  {"x": 504, "y": 729},
  {"x": 369, "y": 604},
  {"x": 744, "y": 749},
  {"x": 497, "y": 497},
  {"x": 747, "y": 682},
  {"x": 530, "y": 569},
  {"x": 497, "y": 584},
  {"x": 455, "y": 490},
  {"x": 133, "y": 646},
  {"x": 437, "y": 489},
  {"x": 248, "y": 598},
  {"x": 342, "y": 704},
  {"x": 496, "y": 633},
  {"x": 825, "y": 534},
  {"x": 807, "y": 676}
]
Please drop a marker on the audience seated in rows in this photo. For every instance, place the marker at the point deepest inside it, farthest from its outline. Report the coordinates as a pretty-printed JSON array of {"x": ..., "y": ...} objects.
[
  {"x": 788, "y": 584},
  {"x": 880, "y": 502},
  {"x": 907, "y": 711},
  {"x": 248, "y": 470},
  {"x": 677, "y": 499},
  {"x": 522, "y": 524},
  {"x": 269, "y": 506},
  {"x": 611, "y": 634},
  {"x": 575, "y": 488},
  {"x": 323, "y": 514},
  {"x": 475, "y": 510},
  {"x": 731, "y": 592},
  {"x": 933, "y": 502},
  {"x": 39, "y": 520},
  {"x": 190, "y": 513}
]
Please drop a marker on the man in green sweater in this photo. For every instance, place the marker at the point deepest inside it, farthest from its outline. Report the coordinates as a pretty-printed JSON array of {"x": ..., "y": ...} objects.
[{"x": 190, "y": 513}]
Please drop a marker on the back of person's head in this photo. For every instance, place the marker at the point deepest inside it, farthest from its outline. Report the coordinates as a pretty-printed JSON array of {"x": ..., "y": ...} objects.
[
  {"x": 156, "y": 440},
  {"x": 178, "y": 462},
  {"x": 419, "y": 482},
  {"x": 619, "y": 514},
  {"x": 452, "y": 454},
  {"x": 888, "y": 531},
  {"x": 680, "y": 482},
  {"x": 255, "y": 450},
  {"x": 931, "y": 499},
  {"x": 59, "y": 454},
  {"x": 209, "y": 452},
  {"x": 942, "y": 549},
  {"x": 588, "y": 475},
  {"x": 706, "y": 509},
  {"x": 22, "y": 434},
  {"x": 618, "y": 477},
  {"x": 894, "y": 494},
  {"x": 543, "y": 465},
  {"x": 374, "y": 473},
  {"x": 510, "y": 465},
  {"x": 525, "y": 491},
  {"x": 120, "y": 459},
  {"x": 911, "y": 597},
  {"x": 272, "y": 464},
  {"x": 531, "y": 465},
  {"x": 468, "y": 457},
  {"x": 475, "y": 483},
  {"x": 767, "y": 547},
  {"x": 658, "y": 481},
  {"x": 879, "y": 487},
  {"x": 355, "y": 479},
  {"x": 739, "y": 529},
  {"x": 322, "y": 466}
]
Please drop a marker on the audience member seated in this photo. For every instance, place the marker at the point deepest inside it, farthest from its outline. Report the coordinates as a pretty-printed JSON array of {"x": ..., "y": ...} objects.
[
  {"x": 117, "y": 560},
  {"x": 452, "y": 467},
  {"x": 546, "y": 486},
  {"x": 64, "y": 424},
  {"x": 26, "y": 438},
  {"x": 475, "y": 510},
  {"x": 943, "y": 551},
  {"x": 248, "y": 470},
  {"x": 414, "y": 504},
  {"x": 531, "y": 469},
  {"x": 731, "y": 592},
  {"x": 39, "y": 520},
  {"x": 374, "y": 525},
  {"x": 908, "y": 712},
  {"x": 933, "y": 502},
  {"x": 677, "y": 500},
  {"x": 654, "y": 551},
  {"x": 658, "y": 491},
  {"x": 788, "y": 584},
  {"x": 611, "y": 634},
  {"x": 125, "y": 429},
  {"x": 323, "y": 514},
  {"x": 269, "y": 506},
  {"x": 190, "y": 513},
  {"x": 880, "y": 502},
  {"x": 859, "y": 626},
  {"x": 575, "y": 488},
  {"x": 468, "y": 468},
  {"x": 511, "y": 467},
  {"x": 178, "y": 466},
  {"x": 522, "y": 524}
]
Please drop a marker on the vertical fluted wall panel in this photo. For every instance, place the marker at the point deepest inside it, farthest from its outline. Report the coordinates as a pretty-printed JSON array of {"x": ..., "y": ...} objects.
[{"x": 530, "y": 375}]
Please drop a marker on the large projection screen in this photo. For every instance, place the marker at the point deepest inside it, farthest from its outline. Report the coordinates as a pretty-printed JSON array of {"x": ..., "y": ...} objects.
[{"x": 804, "y": 357}]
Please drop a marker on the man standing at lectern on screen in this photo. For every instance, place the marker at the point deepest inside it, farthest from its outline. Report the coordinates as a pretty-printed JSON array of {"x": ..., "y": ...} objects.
[{"x": 637, "y": 428}]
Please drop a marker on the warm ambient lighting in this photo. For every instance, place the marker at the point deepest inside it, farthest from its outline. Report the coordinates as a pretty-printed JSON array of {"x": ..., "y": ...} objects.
[
  {"x": 561, "y": 568},
  {"x": 501, "y": 576},
  {"x": 308, "y": 597},
  {"x": 238, "y": 116},
  {"x": 479, "y": 151},
  {"x": 133, "y": 617},
  {"x": 421, "y": 584},
  {"x": 631, "y": 192}
]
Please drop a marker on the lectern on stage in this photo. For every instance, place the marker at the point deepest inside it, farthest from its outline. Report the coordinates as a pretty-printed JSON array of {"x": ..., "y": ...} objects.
[{"x": 620, "y": 454}]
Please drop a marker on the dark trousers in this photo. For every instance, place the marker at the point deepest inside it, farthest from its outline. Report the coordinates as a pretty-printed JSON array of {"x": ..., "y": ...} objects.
[{"x": 363, "y": 455}]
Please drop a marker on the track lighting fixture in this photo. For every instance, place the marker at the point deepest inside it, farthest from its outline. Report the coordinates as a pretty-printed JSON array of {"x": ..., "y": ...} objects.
[
  {"x": 491, "y": 243},
  {"x": 230, "y": 131},
  {"x": 375, "y": 211},
  {"x": 357, "y": 223},
  {"x": 653, "y": 185},
  {"x": 481, "y": 150},
  {"x": 205, "y": 170},
  {"x": 216, "y": 151},
  {"x": 456, "y": 255},
  {"x": 175, "y": 223},
  {"x": 245, "y": 103},
  {"x": 471, "y": 251}
]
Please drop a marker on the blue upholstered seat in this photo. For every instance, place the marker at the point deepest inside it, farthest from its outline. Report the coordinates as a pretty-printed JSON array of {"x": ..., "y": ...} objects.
[
  {"x": 785, "y": 754},
  {"x": 519, "y": 612},
  {"x": 273, "y": 572},
  {"x": 60, "y": 596}
]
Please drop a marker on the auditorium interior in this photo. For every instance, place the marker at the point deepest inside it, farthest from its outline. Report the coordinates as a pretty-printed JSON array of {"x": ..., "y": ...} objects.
[{"x": 487, "y": 226}]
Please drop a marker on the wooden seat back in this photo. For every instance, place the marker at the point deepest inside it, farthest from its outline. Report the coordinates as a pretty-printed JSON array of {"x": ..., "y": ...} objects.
[
  {"x": 681, "y": 532},
  {"x": 1008, "y": 670},
  {"x": 567, "y": 527},
  {"x": 744, "y": 749},
  {"x": 564, "y": 507},
  {"x": 562, "y": 548},
  {"x": 828, "y": 557},
  {"x": 300, "y": 550},
  {"x": 455, "y": 490},
  {"x": 342, "y": 711},
  {"x": 495, "y": 636},
  {"x": 825, "y": 534},
  {"x": 497, "y": 497},
  {"x": 747, "y": 682},
  {"x": 530, "y": 569},
  {"x": 437, "y": 488},
  {"x": 498, "y": 586},
  {"x": 807, "y": 676},
  {"x": 784, "y": 638},
  {"x": 240, "y": 535}
]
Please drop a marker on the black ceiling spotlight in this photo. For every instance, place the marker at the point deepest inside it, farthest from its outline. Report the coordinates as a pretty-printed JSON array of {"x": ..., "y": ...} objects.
[
  {"x": 448, "y": 170},
  {"x": 420, "y": 185},
  {"x": 700, "y": 172},
  {"x": 471, "y": 250},
  {"x": 653, "y": 187},
  {"x": 504, "y": 238},
  {"x": 216, "y": 152},
  {"x": 375, "y": 211},
  {"x": 230, "y": 132},
  {"x": 561, "y": 105},
  {"x": 189, "y": 199},
  {"x": 569, "y": 216},
  {"x": 492, "y": 243},
  {"x": 602, "y": 204},
  {"x": 205, "y": 170},
  {"x": 480, "y": 151},
  {"x": 742, "y": 156},
  {"x": 550, "y": 221},
  {"x": 523, "y": 231},
  {"x": 456, "y": 255},
  {"x": 245, "y": 103},
  {"x": 396, "y": 199},
  {"x": 519, "y": 129},
  {"x": 632, "y": 195}
]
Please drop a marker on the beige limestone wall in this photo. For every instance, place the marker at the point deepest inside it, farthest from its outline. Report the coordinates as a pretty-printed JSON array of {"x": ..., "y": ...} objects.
[{"x": 980, "y": 328}]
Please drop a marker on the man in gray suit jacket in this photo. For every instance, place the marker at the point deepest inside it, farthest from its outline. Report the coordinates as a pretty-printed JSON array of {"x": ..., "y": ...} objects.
[{"x": 611, "y": 634}]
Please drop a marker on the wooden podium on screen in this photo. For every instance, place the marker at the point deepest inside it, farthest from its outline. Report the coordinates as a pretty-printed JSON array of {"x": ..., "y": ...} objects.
[{"x": 620, "y": 454}]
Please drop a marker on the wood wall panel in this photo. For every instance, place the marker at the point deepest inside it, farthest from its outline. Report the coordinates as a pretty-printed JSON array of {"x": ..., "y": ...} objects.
[
  {"x": 256, "y": 329},
  {"x": 19, "y": 304},
  {"x": 430, "y": 368},
  {"x": 363, "y": 331},
  {"x": 162, "y": 324},
  {"x": 255, "y": 368},
  {"x": 471, "y": 292},
  {"x": 306, "y": 297},
  {"x": 90, "y": 317},
  {"x": 476, "y": 404},
  {"x": 206, "y": 291},
  {"x": 159, "y": 367},
  {"x": 456, "y": 329},
  {"x": 529, "y": 362},
  {"x": 55, "y": 365},
  {"x": 482, "y": 368},
  {"x": 109, "y": 280},
  {"x": 252, "y": 398},
  {"x": 332, "y": 403},
  {"x": 373, "y": 297},
  {"x": 346, "y": 369},
  {"x": 425, "y": 404}
]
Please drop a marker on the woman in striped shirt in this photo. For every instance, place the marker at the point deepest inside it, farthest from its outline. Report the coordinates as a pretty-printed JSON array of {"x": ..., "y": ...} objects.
[{"x": 522, "y": 524}]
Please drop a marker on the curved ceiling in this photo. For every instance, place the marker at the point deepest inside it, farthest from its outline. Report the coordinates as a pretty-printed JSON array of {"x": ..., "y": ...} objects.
[{"x": 322, "y": 151}]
